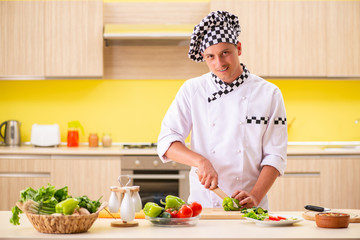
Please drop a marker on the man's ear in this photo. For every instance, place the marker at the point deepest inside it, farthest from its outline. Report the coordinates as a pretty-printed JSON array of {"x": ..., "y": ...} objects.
[{"x": 238, "y": 46}]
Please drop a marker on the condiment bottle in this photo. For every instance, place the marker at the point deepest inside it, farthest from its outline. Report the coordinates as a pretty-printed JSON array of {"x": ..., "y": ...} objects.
[
  {"x": 93, "y": 140},
  {"x": 73, "y": 133},
  {"x": 106, "y": 140}
]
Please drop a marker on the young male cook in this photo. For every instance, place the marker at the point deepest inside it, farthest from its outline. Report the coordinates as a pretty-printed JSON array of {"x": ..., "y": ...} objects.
[{"x": 237, "y": 121}]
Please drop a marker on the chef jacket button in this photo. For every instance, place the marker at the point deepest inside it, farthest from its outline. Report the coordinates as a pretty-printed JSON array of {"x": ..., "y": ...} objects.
[
  {"x": 239, "y": 151},
  {"x": 213, "y": 124},
  {"x": 213, "y": 151},
  {"x": 217, "y": 204},
  {"x": 243, "y": 98},
  {"x": 241, "y": 123}
]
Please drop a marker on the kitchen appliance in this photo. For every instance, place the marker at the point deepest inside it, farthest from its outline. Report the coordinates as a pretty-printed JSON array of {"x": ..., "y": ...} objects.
[
  {"x": 45, "y": 135},
  {"x": 11, "y": 133},
  {"x": 155, "y": 178}
]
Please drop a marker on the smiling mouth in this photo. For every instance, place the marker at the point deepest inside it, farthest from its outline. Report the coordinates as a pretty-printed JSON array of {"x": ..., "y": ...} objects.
[{"x": 224, "y": 69}]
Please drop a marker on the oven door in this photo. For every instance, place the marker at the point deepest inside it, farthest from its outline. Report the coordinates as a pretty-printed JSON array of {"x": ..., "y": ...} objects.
[{"x": 157, "y": 184}]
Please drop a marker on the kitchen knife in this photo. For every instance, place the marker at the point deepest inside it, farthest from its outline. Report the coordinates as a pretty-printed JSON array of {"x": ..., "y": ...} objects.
[
  {"x": 218, "y": 191},
  {"x": 317, "y": 208}
]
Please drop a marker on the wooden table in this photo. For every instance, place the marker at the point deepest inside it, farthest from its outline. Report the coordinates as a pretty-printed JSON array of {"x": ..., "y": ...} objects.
[{"x": 205, "y": 229}]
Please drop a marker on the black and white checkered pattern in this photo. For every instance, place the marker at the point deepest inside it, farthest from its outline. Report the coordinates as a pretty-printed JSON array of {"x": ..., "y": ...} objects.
[
  {"x": 280, "y": 120},
  {"x": 257, "y": 120},
  {"x": 219, "y": 26},
  {"x": 226, "y": 88}
]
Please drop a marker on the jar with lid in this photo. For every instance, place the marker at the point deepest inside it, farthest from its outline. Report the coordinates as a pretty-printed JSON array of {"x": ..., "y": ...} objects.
[
  {"x": 93, "y": 140},
  {"x": 106, "y": 140}
]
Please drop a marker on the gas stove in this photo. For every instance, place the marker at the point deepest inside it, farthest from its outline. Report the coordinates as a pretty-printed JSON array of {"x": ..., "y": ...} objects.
[{"x": 139, "y": 145}]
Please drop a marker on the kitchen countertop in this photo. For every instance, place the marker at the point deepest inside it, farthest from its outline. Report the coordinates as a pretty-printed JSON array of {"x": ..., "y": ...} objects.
[
  {"x": 118, "y": 150},
  {"x": 205, "y": 229}
]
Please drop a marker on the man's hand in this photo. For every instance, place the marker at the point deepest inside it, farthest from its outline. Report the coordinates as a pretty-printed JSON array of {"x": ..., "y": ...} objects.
[
  {"x": 207, "y": 174},
  {"x": 246, "y": 199}
]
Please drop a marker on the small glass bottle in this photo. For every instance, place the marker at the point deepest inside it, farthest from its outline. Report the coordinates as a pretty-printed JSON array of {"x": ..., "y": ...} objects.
[
  {"x": 93, "y": 140},
  {"x": 106, "y": 140}
]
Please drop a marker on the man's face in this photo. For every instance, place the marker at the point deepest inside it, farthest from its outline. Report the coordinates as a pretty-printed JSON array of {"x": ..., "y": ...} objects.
[{"x": 223, "y": 60}]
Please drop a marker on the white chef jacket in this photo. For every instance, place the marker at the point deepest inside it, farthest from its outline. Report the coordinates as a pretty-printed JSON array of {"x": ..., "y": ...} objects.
[{"x": 229, "y": 132}]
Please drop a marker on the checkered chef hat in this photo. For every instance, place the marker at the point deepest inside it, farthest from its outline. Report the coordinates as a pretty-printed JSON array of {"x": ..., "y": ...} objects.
[{"x": 219, "y": 26}]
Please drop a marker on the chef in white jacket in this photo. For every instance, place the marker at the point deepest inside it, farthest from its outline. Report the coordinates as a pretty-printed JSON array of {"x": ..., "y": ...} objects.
[{"x": 237, "y": 121}]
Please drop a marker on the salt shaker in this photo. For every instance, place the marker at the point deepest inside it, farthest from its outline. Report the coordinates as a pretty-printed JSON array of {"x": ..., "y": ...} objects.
[
  {"x": 127, "y": 208},
  {"x": 136, "y": 198},
  {"x": 114, "y": 203}
]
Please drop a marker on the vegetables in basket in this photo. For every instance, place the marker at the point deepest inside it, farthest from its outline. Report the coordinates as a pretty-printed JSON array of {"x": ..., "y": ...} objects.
[{"x": 49, "y": 200}]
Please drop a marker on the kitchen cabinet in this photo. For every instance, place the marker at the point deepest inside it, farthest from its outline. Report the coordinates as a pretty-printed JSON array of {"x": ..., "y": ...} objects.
[
  {"x": 50, "y": 39},
  {"x": 86, "y": 175},
  {"x": 298, "y": 38},
  {"x": 343, "y": 38},
  {"x": 152, "y": 52},
  {"x": 73, "y": 33},
  {"x": 326, "y": 180},
  {"x": 17, "y": 172},
  {"x": 22, "y": 38},
  {"x": 299, "y": 186}
]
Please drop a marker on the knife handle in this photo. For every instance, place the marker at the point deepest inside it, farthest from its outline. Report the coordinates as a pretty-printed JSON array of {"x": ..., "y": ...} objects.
[{"x": 314, "y": 208}]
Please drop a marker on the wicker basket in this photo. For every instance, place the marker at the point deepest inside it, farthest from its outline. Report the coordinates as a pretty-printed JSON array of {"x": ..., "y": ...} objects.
[{"x": 63, "y": 224}]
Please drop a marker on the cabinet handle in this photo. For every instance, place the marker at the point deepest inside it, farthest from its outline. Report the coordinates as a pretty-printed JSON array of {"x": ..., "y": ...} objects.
[
  {"x": 157, "y": 176},
  {"x": 24, "y": 175},
  {"x": 302, "y": 174}
]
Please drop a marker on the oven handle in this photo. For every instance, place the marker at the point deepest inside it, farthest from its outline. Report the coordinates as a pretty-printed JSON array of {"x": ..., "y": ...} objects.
[{"x": 158, "y": 176}]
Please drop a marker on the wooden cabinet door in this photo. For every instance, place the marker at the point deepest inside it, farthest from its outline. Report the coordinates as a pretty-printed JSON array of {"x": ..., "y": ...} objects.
[
  {"x": 343, "y": 37},
  {"x": 297, "y": 38},
  {"x": 86, "y": 175},
  {"x": 18, "y": 172},
  {"x": 74, "y": 39},
  {"x": 21, "y": 39},
  {"x": 299, "y": 186},
  {"x": 340, "y": 182}
]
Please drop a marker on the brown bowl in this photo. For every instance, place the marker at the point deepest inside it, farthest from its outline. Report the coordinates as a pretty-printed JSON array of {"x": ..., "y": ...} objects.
[{"x": 332, "y": 220}]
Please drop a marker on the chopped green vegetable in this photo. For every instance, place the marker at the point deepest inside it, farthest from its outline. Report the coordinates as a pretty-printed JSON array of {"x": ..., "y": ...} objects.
[
  {"x": 152, "y": 209},
  {"x": 255, "y": 213},
  {"x": 231, "y": 204},
  {"x": 172, "y": 202}
]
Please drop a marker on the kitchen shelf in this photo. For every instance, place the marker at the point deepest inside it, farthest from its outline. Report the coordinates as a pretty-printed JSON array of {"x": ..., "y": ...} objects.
[{"x": 147, "y": 31}]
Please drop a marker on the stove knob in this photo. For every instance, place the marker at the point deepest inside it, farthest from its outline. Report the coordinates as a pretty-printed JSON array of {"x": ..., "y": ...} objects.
[
  {"x": 137, "y": 163},
  {"x": 156, "y": 163}
]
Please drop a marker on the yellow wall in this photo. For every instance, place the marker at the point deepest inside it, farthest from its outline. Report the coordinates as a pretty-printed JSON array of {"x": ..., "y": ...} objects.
[{"x": 132, "y": 110}]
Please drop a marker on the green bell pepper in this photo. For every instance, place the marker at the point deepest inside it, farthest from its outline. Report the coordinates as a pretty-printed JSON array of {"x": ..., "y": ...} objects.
[
  {"x": 172, "y": 202},
  {"x": 67, "y": 206},
  {"x": 231, "y": 204},
  {"x": 151, "y": 209}
]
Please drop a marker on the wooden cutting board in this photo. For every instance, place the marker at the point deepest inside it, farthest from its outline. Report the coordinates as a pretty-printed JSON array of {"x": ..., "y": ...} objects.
[
  {"x": 354, "y": 214},
  {"x": 220, "y": 213}
]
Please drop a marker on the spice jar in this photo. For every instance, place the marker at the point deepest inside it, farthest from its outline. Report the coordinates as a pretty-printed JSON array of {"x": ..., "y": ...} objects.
[
  {"x": 93, "y": 140},
  {"x": 106, "y": 140}
]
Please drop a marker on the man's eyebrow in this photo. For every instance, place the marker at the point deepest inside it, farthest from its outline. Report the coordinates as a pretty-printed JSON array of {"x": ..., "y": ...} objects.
[{"x": 224, "y": 50}]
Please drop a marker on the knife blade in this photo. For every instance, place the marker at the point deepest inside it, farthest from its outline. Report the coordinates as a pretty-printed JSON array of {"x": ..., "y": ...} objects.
[
  {"x": 317, "y": 208},
  {"x": 218, "y": 191}
]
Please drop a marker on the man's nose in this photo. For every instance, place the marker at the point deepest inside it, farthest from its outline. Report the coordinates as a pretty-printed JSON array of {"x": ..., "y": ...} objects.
[{"x": 219, "y": 61}]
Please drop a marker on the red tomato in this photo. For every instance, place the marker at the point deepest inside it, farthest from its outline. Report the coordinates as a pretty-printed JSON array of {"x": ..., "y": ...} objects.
[
  {"x": 274, "y": 218},
  {"x": 173, "y": 212},
  {"x": 196, "y": 208},
  {"x": 185, "y": 211}
]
